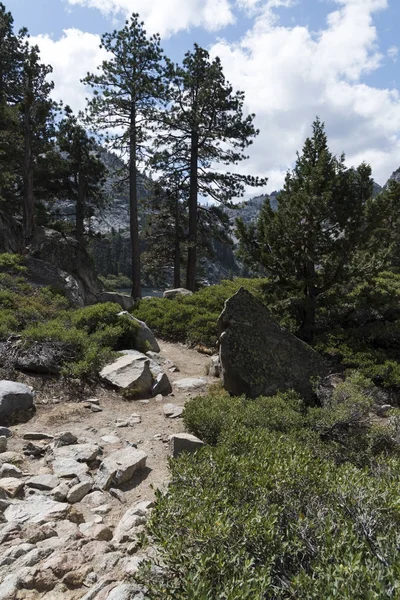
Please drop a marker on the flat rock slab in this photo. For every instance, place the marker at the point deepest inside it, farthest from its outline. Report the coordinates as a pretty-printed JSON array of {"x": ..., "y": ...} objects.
[
  {"x": 68, "y": 467},
  {"x": 37, "y": 509},
  {"x": 119, "y": 467},
  {"x": 184, "y": 442},
  {"x": 258, "y": 357},
  {"x": 171, "y": 294},
  {"x": 14, "y": 397},
  {"x": 130, "y": 373},
  {"x": 78, "y": 452},
  {"x": 32, "y": 435},
  {"x": 43, "y": 482},
  {"x": 190, "y": 384}
]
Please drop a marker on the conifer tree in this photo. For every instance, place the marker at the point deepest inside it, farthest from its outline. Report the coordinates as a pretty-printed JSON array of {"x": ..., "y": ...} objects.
[
  {"x": 84, "y": 171},
  {"x": 309, "y": 242},
  {"x": 126, "y": 91},
  {"x": 205, "y": 128}
]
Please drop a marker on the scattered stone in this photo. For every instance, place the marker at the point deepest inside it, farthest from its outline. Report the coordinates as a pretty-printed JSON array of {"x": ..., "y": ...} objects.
[
  {"x": 4, "y": 431},
  {"x": 174, "y": 370},
  {"x": 144, "y": 401},
  {"x": 258, "y": 357},
  {"x": 145, "y": 338},
  {"x": 78, "y": 452},
  {"x": 102, "y": 510},
  {"x": 69, "y": 467},
  {"x": 215, "y": 366},
  {"x": 135, "y": 419},
  {"x": 65, "y": 438},
  {"x": 121, "y": 423},
  {"x": 11, "y": 485},
  {"x": 37, "y": 436},
  {"x": 184, "y": 442},
  {"x": 37, "y": 509},
  {"x": 43, "y": 482},
  {"x": 9, "y": 470},
  {"x": 190, "y": 383},
  {"x": 131, "y": 374},
  {"x": 14, "y": 397},
  {"x": 162, "y": 385},
  {"x": 172, "y": 411},
  {"x": 126, "y": 529},
  {"x": 99, "y": 532},
  {"x": 10, "y": 586},
  {"x": 34, "y": 449},
  {"x": 10, "y": 457},
  {"x": 119, "y": 494},
  {"x": 3, "y": 444},
  {"x": 93, "y": 401},
  {"x": 95, "y": 409},
  {"x": 119, "y": 467},
  {"x": 63, "y": 562},
  {"x": 96, "y": 498},
  {"x": 111, "y": 439},
  {"x": 78, "y": 492},
  {"x": 171, "y": 294}
]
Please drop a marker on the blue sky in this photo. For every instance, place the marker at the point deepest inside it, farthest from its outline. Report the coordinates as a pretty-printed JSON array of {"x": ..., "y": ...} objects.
[{"x": 293, "y": 58}]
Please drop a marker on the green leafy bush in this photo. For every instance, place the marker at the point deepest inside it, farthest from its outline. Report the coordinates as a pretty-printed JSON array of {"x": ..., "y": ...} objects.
[
  {"x": 115, "y": 282},
  {"x": 193, "y": 319},
  {"x": 268, "y": 512}
]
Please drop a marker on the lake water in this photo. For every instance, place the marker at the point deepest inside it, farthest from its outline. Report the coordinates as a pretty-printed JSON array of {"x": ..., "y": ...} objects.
[{"x": 154, "y": 293}]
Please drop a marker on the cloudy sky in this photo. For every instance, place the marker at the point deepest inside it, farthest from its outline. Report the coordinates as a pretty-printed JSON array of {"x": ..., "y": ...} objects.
[{"x": 295, "y": 59}]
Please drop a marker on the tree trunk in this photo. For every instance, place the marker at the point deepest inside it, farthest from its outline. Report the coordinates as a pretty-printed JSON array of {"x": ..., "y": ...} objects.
[
  {"x": 133, "y": 207},
  {"x": 308, "y": 308},
  {"x": 80, "y": 209},
  {"x": 177, "y": 249},
  {"x": 29, "y": 201},
  {"x": 192, "y": 250}
]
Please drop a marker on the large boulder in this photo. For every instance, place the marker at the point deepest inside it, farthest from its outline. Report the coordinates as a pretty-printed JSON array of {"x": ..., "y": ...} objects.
[
  {"x": 126, "y": 302},
  {"x": 171, "y": 294},
  {"x": 258, "y": 357},
  {"x": 145, "y": 339},
  {"x": 130, "y": 373},
  {"x": 119, "y": 467},
  {"x": 14, "y": 397}
]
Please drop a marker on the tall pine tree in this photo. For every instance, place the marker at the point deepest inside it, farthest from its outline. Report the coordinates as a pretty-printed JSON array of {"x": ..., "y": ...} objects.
[
  {"x": 205, "y": 128},
  {"x": 309, "y": 242},
  {"x": 126, "y": 91}
]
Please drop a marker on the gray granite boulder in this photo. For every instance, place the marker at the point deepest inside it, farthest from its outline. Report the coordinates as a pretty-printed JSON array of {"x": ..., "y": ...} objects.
[
  {"x": 258, "y": 357},
  {"x": 130, "y": 373},
  {"x": 171, "y": 294},
  {"x": 145, "y": 339},
  {"x": 14, "y": 397},
  {"x": 126, "y": 302}
]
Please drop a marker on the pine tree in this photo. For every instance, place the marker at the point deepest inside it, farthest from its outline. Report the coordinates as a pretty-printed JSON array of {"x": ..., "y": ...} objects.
[
  {"x": 36, "y": 118},
  {"x": 85, "y": 173},
  {"x": 126, "y": 90},
  {"x": 309, "y": 242},
  {"x": 205, "y": 127}
]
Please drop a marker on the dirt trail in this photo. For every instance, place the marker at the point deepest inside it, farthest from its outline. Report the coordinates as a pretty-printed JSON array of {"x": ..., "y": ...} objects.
[{"x": 151, "y": 435}]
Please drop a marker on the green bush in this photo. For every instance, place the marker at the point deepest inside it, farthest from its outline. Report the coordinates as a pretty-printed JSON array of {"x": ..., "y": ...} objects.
[
  {"x": 193, "y": 319},
  {"x": 115, "y": 282},
  {"x": 269, "y": 513}
]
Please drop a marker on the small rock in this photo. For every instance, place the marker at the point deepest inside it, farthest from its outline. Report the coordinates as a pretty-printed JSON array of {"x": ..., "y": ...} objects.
[
  {"x": 178, "y": 413},
  {"x": 184, "y": 442},
  {"x": 43, "y": 482},
  {"x": 3, "y": 444},
  {"x": 6, "y": 432},
  {"x": 78, "y": 492},
  {"x": 14, "y": 397},
  {"x": 144, "y": 401},
  {"x": 38, "y": 509},
  {"x": 11, "y": 457},
  {"x": 65, "y": 438},
  {"x": 119, "y": 467},
  {"x": 68, "y": 467},
  {"x": 171, "y": 294},
  {"x": 162, "y": 385},
  {"x": 60, "y": 492},
  {"x": 135, "y": 419},
  {"x": 102, "y": 510},
  {"x": 190, "y": 383},
  {"x": 110, "y": 439},
  {"x": 9, "y": 470},
  {"x": 11, "y": 485},
  {"x": 215, "y": 366},
  {"x": 96, "y": 498},
  {"x": 134, "y": 517},
  {"x": 100, "y": 533},
  {"x": 34, "y": 449},
  {"x": 121, "y": 423},
  {"x": 119, "y": 494},
  {"x": 79, "y": 452},
  {"x": 95, "y": 409},
  {"x": 93, "y": 400},
  {"x": 37, "y": 436},
  {"x": 172, "y": 411}
]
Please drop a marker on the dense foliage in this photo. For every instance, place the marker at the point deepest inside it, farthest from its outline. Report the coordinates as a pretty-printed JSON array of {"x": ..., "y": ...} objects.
[
  {"x": 87, "y": 336},
  {"x": 278, "y": 509}
]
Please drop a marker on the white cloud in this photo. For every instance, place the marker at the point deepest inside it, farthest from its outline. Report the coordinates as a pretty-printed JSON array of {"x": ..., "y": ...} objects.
[
  {"x": 291, "y": 74},
  {"x": 393, "y": 53},
  {"x": 168, "y": 16},
  {"x": 71, "y": 57}
]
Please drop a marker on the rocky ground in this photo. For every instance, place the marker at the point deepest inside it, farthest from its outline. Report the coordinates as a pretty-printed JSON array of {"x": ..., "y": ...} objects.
[{"x": 77, "y": 482}]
